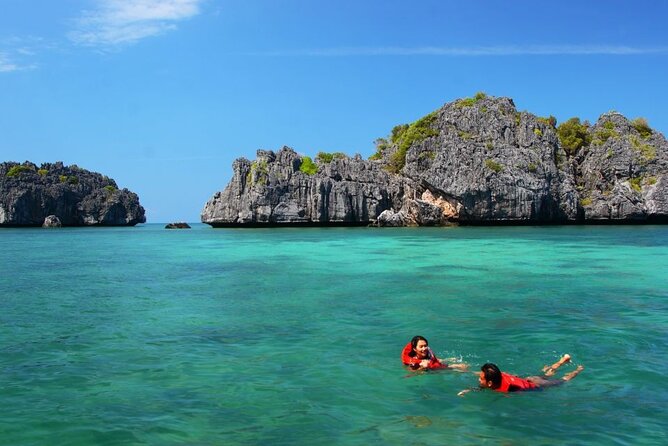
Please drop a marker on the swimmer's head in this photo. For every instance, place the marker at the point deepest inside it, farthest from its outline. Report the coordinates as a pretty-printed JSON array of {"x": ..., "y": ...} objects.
[
  {"x": 490, "y": 376},
  {"x": 420, "y": 346}
]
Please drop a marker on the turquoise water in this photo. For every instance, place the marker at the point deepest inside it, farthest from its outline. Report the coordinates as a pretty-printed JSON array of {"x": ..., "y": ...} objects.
[{"x": 124, "y": 336}]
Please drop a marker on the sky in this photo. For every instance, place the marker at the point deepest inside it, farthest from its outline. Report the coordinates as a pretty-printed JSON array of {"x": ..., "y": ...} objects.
[{"x": 163, "y": 95}]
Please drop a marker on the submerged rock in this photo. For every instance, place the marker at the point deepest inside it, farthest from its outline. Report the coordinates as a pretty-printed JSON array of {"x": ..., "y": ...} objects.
[
  {"x": 29, "y": 195},
  {"x": 473, "y": 161}
]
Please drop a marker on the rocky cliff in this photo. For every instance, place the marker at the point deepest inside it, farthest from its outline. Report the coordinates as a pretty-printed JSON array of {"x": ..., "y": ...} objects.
[
  {"x": 474, "y": 161},
  {"x": 29, "y": 194}
]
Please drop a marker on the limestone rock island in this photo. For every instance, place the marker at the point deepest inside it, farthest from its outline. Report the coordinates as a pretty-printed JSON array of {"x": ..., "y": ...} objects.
[
  {"x": 474, "y": 161},
  {"x": 53, "y": 195}
]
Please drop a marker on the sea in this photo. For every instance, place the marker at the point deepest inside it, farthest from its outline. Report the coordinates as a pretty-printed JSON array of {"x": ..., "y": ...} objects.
[{"x": 292, "y": 336}]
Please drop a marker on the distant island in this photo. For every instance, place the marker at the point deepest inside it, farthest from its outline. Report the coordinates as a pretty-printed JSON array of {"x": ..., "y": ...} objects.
[
  {"x": 474, "y": 161},
  {"x": 57, "y": 195}
]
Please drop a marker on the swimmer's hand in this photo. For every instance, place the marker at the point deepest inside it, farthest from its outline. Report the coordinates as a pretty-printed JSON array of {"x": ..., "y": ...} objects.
[{"x": 463, "y": 392}]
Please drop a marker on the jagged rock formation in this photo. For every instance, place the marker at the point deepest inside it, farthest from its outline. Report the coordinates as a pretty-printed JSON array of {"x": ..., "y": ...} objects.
[
  {"x": 474, "y": 161},
  {"x": 52, "y": 193},
  {"x": 273, "y": 190},
  {"x": 51, "y": 221},
  {"x": 623, "y": 174},
  {"x": 177, "y": 225}
]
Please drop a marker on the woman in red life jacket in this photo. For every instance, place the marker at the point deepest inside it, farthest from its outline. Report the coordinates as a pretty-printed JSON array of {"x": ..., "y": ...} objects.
[
  {"x": 418, "y": 356},
  {"x": 491, "y": 377}
]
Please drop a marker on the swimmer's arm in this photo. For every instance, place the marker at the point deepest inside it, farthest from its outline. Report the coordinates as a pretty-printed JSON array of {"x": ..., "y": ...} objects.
[
  {"x": 462, "y": 366},
  {"x": 470, "y": 389}
]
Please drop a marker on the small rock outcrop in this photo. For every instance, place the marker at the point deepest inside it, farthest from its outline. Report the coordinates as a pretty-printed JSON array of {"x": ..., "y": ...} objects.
[
  {"x": 177, "y": 225},
  {"x": 52, "y": 193},
  {"x": 52, "y": 221},
  {"x": 474, "y": 161}
]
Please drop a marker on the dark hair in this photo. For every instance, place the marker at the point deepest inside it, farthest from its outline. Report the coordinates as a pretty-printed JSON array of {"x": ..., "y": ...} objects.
[
  {"x": 492, "y": 373},
  {"x": 414, "y": 342}
]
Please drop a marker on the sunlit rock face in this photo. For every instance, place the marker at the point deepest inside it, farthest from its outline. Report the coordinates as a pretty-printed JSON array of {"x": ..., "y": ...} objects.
[
  {"x": 74, "y": 196},
  {"x": 470, "y": 162}
]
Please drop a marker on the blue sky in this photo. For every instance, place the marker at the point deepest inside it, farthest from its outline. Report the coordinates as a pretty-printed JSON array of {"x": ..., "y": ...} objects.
[{"x": 163, "y": 95}]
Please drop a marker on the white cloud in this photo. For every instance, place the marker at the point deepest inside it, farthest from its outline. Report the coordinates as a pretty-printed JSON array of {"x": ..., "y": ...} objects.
[
  {"x": 121, "y": 22},
  {"x": 16, "y": 54},
  {"x": 6, "y": 65},
  {"x": 475, "y": 51}
]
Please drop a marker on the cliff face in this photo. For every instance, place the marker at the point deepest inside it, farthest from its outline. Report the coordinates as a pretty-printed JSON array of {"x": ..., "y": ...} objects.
[
  {"x": 623, "y": 174},
  {"x": 273, "y": 190},
  {"x": 29, "y": 194},
  {"x": 474, "y": 161}
]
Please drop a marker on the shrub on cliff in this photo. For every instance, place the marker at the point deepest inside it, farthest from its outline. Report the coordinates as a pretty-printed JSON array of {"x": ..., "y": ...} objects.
[
  {"x": 406, "y": 135},
  {"x": 573, "y": 135},
  {"x": 602, "y": 135},
  {"x": 324, "y": 157},
  {"x": 381, "y": 145},
  {"x": 493, "y": 165},
  {"x": 642, "y": 127},
  {"x": 647, "y": 151},
  {"x": 18, "y": 170},
  {"x": 469, "y": 102},
  {"x": 551, "y": 121},
  {"x": 308, "y": 166}
]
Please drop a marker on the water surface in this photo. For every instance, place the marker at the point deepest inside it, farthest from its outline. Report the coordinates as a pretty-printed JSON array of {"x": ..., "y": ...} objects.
[{"x": 124, "y": 336}]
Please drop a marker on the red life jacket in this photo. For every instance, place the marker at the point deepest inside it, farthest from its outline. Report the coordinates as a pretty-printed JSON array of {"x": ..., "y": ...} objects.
[
  {"x": 414, "y": 362},
  {"x": 517, "y": 383}
]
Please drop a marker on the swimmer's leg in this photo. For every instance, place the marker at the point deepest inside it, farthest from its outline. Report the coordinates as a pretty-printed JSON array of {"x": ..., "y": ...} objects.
[
  {"x": 573, "y": 374},
  {"x": 549, "y": 371}
]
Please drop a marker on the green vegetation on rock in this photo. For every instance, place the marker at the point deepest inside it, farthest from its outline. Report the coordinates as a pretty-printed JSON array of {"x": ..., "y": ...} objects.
[
  {"x": 602, "y": 135},
  {"x": 469, "y": 102},
  {"x": 109, "y": 188},
  {"x": 324, "y": 157},
  {"x": 42, "y": 172},
  {"x": 308, "y": 166},
  {"x": 636, "y": 183},
  {"x": 381, "y": 145},
  {"x": 647, "y": 151},
  {"x": 71, "y": 179},
  {"x": 551, "y": 121},
  {"x": 429, "y": 154},
  {"x": 573, "y": 135},
  {"x": 642, "y": 127},
  {"x": 258, "y": 171},
  {"x": 18, "y": 170},
  {"x": 493, "y": 165},
  {"x": 404, "y": 136}
]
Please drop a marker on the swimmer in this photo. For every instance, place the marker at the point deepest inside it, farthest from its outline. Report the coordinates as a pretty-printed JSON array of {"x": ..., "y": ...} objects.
[
  {"x": 490, "y": 377},
  {"x": 418, "y": 356}
]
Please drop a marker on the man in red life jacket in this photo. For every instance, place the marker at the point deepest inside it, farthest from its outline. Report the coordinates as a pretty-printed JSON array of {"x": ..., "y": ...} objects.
[{"x": 491, "y": 377}]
